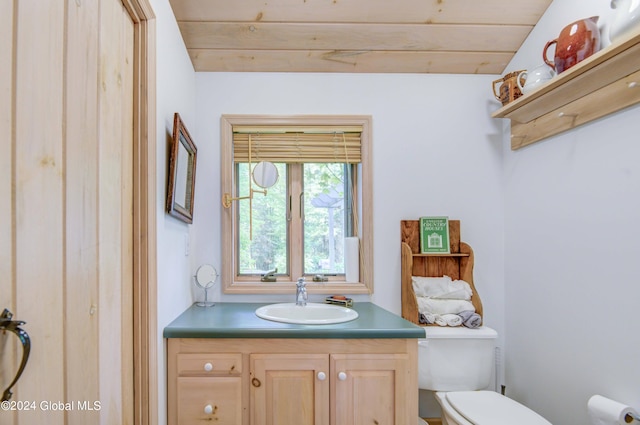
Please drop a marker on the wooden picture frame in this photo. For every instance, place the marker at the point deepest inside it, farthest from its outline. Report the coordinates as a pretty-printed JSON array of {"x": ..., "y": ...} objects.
[{"x": 182, "y": 173}]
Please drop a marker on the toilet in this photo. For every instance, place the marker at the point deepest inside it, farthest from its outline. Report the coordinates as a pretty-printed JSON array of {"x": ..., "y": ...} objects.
[{"x": 458, "y": 363}]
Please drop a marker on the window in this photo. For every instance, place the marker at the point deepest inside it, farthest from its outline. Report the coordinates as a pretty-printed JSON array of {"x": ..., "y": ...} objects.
[{"x": 323, "y": 195}]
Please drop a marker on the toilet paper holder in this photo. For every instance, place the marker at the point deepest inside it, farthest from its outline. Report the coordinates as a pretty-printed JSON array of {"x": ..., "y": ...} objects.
[
  {"x": 603, "y": 410},
  {"x": 630, "y": 417}
]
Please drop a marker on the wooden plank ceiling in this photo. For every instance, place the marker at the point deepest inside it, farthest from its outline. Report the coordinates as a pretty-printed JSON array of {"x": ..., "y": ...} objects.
[{"x": 355, "y": 36}]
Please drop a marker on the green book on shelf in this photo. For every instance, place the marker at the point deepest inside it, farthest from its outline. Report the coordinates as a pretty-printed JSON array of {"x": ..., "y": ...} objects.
[{"x": 434, "y": 235}]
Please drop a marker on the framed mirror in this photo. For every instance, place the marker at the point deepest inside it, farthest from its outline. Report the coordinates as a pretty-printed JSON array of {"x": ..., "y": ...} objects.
[{"x": 182, "y": 173}]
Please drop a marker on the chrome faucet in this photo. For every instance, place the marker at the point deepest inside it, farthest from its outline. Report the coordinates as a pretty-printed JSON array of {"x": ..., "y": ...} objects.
[{"x": 301, "y": 292}]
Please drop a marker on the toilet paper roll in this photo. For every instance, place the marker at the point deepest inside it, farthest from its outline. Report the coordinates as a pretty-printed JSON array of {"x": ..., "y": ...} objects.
[
  {"x": 352, "y": 259},
  {"x": 604, "y": 411}
]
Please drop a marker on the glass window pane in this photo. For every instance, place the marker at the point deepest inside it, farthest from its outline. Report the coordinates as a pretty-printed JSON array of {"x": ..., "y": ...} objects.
[
  {"x": 267, "y": 249},
  {"x": 325, "y": 220}
]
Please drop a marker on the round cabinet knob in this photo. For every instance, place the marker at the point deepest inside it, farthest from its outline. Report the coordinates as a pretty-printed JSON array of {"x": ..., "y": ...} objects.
[
  {"x": 208, "y": 367},
  {"x": 322, "y": 376},
  {"x": 342, "y": 376},
  {"x": 208, "y": 409}
]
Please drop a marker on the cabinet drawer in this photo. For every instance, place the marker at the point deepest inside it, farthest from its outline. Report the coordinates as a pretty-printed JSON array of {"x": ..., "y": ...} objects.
[
  {"x": 214, "y": 399},
  {"x": 202, "y": 364}
]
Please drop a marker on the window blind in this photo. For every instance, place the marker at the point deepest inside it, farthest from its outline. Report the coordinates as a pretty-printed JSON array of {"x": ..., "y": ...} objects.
[{"x": 297, "y": 144}]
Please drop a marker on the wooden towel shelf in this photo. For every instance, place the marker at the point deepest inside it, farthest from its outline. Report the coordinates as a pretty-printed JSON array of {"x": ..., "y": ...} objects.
[{"x": 457, "y": 265}]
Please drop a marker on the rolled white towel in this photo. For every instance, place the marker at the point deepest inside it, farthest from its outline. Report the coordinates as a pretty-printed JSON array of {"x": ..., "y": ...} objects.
[
  {"x": 452, "y": 319},
  {"x": 441, "y": 288},
  {"x": 440, "y": 320},
  {"x": 435, "y": 306},
  {"x": 447, "y": 320}
]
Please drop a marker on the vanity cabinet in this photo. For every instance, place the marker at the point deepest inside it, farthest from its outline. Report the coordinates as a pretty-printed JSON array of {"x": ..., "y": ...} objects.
[{"x": 292, "y": 381}]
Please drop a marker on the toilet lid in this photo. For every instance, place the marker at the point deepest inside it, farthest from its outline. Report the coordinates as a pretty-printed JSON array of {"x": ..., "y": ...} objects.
[{"x": 491, "y": 408}]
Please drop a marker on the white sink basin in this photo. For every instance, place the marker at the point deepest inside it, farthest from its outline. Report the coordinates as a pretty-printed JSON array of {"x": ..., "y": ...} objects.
[{"x": 311, "y": 314}]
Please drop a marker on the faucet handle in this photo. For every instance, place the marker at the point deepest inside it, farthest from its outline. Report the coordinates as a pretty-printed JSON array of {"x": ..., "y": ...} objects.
[{"x": 301, "y": 282}]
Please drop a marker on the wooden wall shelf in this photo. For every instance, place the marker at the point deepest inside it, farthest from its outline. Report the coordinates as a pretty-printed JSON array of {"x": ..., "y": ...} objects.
[
  {"x": 457, "y": 265},
  {"x": 598, "y": 86}
]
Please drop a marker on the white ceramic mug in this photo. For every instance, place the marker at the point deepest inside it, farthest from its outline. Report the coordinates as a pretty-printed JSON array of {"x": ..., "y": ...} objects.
[{"x": 535, "y": 78}]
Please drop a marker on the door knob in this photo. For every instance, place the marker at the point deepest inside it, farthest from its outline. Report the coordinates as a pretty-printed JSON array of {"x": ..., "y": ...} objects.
[{"x": 342, "y": 376}]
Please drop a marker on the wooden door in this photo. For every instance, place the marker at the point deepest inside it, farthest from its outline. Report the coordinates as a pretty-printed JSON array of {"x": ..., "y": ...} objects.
[
  {"x": 289, "y": 389},
  {"x": 369, "y": 389},
  {"x": 66, "y": 173}
]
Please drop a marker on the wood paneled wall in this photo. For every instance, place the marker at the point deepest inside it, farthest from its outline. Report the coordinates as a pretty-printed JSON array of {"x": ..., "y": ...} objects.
[{"x": 66, "y": 224}]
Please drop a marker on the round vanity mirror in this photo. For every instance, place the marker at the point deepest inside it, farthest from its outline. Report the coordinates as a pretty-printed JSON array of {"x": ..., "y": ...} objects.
[
  {"x": 265, "y": 174},
  {"x": 206, "y": 276}
]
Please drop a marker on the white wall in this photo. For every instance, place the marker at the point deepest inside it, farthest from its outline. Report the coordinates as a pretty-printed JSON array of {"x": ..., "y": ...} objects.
[
  {"x": 175, "y": 93},
  {"x": 572, "y": 240},
  {"x": 436, "y": 151}
]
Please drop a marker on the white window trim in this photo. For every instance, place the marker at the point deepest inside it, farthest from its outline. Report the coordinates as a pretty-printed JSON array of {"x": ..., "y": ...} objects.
[{"x": 229, "y": 283}]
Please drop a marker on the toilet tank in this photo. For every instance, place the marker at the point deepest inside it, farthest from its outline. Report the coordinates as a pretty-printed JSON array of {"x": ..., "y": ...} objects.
[{"x": 456, "y": 359}]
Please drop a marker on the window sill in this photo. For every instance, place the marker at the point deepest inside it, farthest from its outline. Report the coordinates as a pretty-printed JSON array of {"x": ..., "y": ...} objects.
[{"x": 284, "y": 287}]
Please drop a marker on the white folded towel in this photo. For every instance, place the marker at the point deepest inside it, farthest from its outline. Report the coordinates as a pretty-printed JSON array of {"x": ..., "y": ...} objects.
[
  {"x": 429, "y": 286},
  {"x": 441, "y": 288},
  {"x": 436, "y": 306}
]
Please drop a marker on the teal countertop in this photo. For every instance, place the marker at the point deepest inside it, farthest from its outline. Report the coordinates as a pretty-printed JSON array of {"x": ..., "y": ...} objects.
[{"x": 238, "y": 320}]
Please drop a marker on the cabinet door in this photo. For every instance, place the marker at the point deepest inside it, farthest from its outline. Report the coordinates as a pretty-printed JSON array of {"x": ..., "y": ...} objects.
[
  {"x": 289, "y": 389},
  {"x": 369, "y": 389},
  {"x": 202, "y": 399}
]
